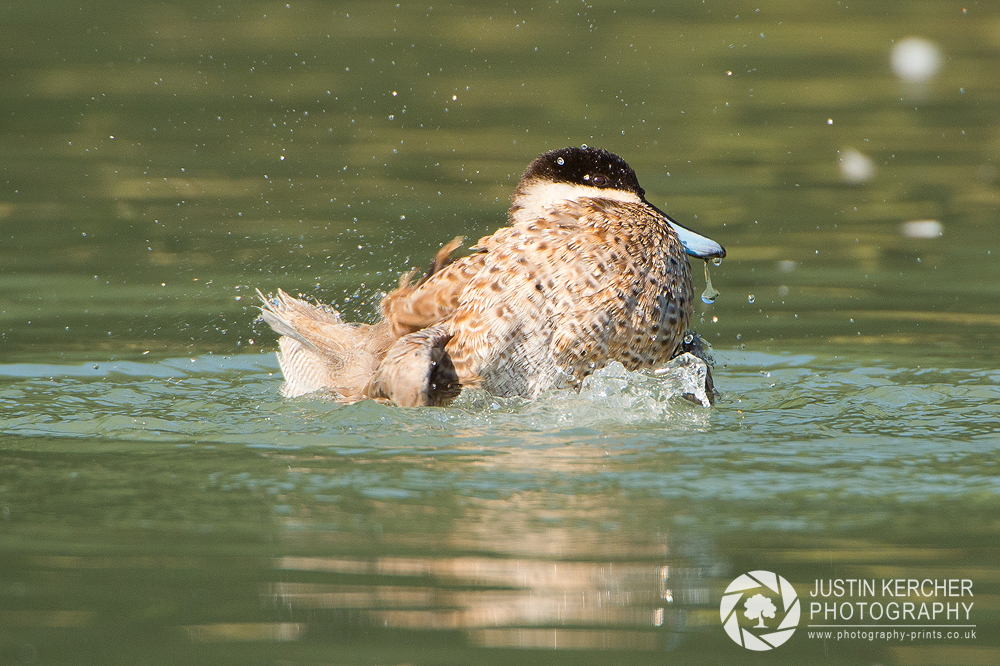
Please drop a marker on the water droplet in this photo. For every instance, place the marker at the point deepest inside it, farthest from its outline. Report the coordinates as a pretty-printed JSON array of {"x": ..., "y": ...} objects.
[
  {"x": 750, "y": 298},
  {"x": 856, "y": 167},
  {"x": 560, "y": 161},
  {"x": 717, "y": 261},
  {"x": 915, "y": 59},
  {"x": 710, "y": 293}
]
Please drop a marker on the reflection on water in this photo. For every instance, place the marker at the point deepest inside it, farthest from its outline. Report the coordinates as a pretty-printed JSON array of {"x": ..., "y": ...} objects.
[{"x": 503, "y": 602}]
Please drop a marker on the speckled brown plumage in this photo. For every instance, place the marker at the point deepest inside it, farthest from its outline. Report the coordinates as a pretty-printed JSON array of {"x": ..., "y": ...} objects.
[{"x": 587, "y": 272}]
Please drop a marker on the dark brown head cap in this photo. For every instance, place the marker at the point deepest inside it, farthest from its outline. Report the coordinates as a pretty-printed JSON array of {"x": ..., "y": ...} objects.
[{"x": 584, "y": 166}]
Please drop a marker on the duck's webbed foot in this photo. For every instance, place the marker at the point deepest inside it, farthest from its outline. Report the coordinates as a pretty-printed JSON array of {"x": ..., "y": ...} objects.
[{"x": 417, "y": 371}]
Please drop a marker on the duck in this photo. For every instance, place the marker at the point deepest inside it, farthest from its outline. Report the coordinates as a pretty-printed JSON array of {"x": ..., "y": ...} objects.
[{"x": 585, "y": 273}]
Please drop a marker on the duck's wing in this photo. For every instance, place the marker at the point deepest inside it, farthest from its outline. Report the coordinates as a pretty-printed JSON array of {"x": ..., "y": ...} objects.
[
  {"x": 414, "y": 306},
  {"x": 417, "y": 371},
  {"x": 509, "y": 318}
]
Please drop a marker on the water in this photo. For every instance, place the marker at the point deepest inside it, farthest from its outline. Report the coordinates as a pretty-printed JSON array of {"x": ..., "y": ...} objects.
[
  {"x": 161, "y": 503},
  {"x": 711, "y": 293}
]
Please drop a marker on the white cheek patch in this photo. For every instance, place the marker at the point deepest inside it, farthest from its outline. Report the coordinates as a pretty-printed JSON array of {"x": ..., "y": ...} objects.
[{"x": 541, "y": 194}]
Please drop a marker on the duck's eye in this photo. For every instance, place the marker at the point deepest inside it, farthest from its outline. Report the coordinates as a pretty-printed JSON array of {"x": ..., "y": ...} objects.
[{"x": 599, "y": 181}]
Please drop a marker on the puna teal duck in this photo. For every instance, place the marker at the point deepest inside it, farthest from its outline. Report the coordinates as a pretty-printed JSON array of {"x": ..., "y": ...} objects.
[{"x": 586, "y": 273}]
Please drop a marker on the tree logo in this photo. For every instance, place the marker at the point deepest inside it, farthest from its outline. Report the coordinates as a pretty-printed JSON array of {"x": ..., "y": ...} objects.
[{"x": 757, "y": 623}]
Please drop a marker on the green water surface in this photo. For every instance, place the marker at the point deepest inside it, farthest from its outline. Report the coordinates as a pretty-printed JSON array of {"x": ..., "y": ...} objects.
[{"x": 160, "y": 503}]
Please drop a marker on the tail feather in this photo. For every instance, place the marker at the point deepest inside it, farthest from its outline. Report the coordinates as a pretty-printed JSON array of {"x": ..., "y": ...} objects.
[
  {"x": 319, "y": 351},
  {"x": 399, "y": 359},
  {"x": 304, "y": 369},
  {"x": 314, "y": 325}
]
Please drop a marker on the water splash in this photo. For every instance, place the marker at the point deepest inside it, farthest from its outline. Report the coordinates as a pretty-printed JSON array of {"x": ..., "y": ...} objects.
[{"x": 710, "y": 293}]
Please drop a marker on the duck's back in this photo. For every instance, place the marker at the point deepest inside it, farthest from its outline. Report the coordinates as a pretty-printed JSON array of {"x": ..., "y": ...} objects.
[{"x": 560, "y": 295}]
